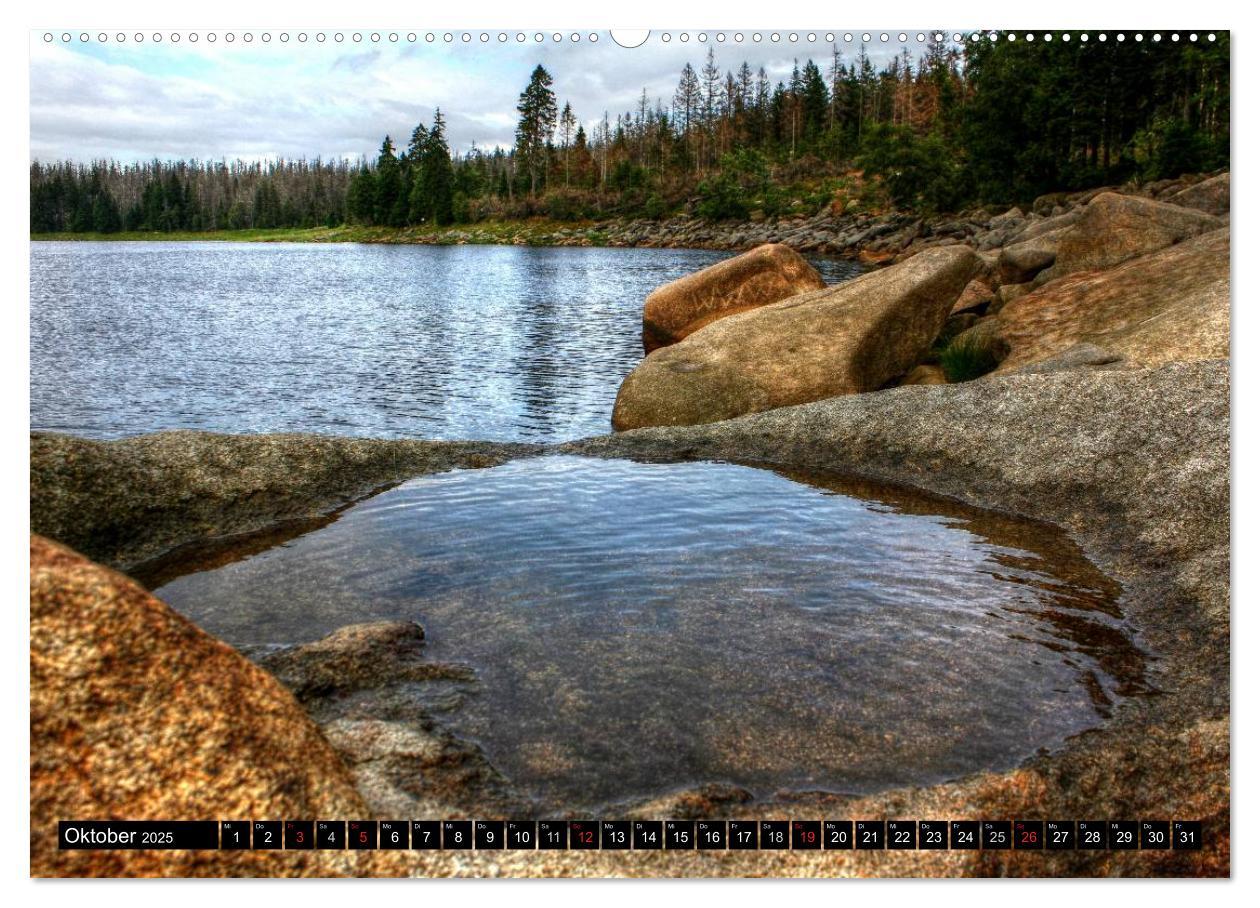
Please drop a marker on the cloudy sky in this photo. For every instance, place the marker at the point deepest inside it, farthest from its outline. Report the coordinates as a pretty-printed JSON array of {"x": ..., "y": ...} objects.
[{"x": 130, "y": 101}]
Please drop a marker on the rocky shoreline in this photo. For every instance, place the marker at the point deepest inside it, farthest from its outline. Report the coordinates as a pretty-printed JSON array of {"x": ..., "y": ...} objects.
[
  {"x": 1106, "y": 415},
  {"x": 868, "y": 236}
]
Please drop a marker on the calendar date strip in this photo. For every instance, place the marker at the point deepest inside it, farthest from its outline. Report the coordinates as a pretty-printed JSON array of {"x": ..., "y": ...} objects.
[{"x": 632, "y": 835}]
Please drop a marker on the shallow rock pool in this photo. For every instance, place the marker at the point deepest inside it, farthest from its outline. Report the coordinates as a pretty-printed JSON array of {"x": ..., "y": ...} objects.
[{"x": 640, "y": 628}]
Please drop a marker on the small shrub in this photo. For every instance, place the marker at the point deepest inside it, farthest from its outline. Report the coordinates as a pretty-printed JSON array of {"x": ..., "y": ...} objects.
[
  {"x": 566, "y": 205},
  {"x": 721, "y": 198},
  {"x": 970, "y": 355},
  {"x": 655, "y": 207}
]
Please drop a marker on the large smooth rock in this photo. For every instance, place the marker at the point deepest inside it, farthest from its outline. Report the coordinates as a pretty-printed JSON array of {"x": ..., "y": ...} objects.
[
  {"x": 843, "y": 340},
  {"x": 1116, "y": 228},
  {"x": 1172, "y": 305},
  {"x": 1210, "y": 195},
  {"x": 760, "y": 276},
  {"x": 137, "y": 714}
]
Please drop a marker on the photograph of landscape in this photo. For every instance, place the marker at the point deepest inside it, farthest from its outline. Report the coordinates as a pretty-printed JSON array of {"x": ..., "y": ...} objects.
[{"x": 802, "y": 435}]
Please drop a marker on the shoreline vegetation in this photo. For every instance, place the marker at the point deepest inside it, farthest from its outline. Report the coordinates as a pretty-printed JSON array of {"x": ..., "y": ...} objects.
[
  {"x": 872, "y": 237},
  {"x": 537, "y": 231}
]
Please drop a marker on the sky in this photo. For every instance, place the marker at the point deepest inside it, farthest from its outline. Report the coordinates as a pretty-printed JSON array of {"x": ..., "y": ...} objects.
[{"x": 131, "y": 101}]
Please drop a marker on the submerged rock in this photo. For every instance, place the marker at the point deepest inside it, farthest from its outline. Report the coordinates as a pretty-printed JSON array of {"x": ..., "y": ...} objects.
[
  {"x": 1116, "y": 228},
  {"x": 137, "y": 714},
  {"x": 842, "y": 340},
  {"x": 378, "y": 700},
  {"x": 358, "y": 656},
  {"x": 1172, "y": 305},
  {"x": 763, "y": 275}
]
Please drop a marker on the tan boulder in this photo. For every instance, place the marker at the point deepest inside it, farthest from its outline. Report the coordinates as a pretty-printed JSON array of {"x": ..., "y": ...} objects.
[
  {"x": 1171, "y": 305},
  {"x": 1210, "y": 195},
  {"x": 1008, "y": 293},
  {"x": 877, "y": 256},
  {"x": 760, "y": 276},
  {"x": 1044, "y": 204},
  {"x": 855, "y": 337},
  {"x": 976, "y": 295},
  {"x": 1023, "y": 261},
  {"x": 1116, "y": 228},
  {"x": 137, "y": 714},
  {"x": 1047, "y": 225}
]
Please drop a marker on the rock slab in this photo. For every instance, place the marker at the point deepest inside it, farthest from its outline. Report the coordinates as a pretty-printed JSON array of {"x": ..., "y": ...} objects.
[
  {"x": 126, "y": 501},
  {"x": 1210, "y": 195},
  {"x": 1116, "y": 228},
  {"x": 1169, "y": 306}
]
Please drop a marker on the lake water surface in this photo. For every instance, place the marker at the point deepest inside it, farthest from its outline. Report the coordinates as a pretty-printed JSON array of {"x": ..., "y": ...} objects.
[{"x": 445, "y": 342}]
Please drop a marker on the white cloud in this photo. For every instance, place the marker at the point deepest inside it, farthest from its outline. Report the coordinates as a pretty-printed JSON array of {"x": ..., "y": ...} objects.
[{"x": 135, "y": 102}]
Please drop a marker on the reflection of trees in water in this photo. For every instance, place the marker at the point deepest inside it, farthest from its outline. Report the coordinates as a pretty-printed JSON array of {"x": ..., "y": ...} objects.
[
  {"x": 537, "y": 355},
  {"x": 426, "y": 375}
]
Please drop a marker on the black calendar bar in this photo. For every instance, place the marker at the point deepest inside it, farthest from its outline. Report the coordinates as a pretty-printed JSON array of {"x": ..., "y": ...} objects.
[
  {"x": 1041, "y": 836},
  {"x": 132, "y": 835}
]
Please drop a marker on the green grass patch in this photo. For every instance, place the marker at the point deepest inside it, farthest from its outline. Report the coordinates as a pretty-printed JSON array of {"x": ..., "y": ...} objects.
[{"x": 970, "y": 355}]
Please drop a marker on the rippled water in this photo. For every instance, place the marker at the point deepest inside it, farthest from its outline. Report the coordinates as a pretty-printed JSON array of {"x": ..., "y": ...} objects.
[
  {"x": 445, "y": 342},
  {"x": 637, "y": 628}
]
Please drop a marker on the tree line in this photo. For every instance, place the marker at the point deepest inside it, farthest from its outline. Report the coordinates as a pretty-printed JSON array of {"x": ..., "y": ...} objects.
[
  {"x": 106, "y": 197},
  {"x": 984, "y": 122}
]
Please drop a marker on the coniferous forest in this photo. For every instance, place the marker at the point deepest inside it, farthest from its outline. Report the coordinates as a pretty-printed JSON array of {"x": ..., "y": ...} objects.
[{"x": 987, "y": 122}]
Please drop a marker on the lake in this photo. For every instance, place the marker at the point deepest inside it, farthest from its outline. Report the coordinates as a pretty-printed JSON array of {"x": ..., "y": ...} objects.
[{"x": 444, "y": 342}]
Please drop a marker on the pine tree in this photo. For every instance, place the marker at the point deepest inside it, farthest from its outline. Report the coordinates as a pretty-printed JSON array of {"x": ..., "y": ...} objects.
[
  {"x": 387, "y": 207},
  {"x": 687, "y": 107},
  {"x": 361, "y": 196},
  {"x": 433, "y": 195},
  {"x": 814, "y": 101},
  {"x": 537, "y": 109}
]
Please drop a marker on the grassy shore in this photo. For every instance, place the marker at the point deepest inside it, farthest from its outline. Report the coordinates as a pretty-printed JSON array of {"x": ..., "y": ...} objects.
[{"x": 540, "y": 232}]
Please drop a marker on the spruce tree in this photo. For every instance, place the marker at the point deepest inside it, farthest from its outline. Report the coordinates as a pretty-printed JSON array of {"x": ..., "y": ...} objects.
[
  {"x": 389, "y": 187},
  {"x": 432, "y": 195},
  {"x": 537, "y": 109}
]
